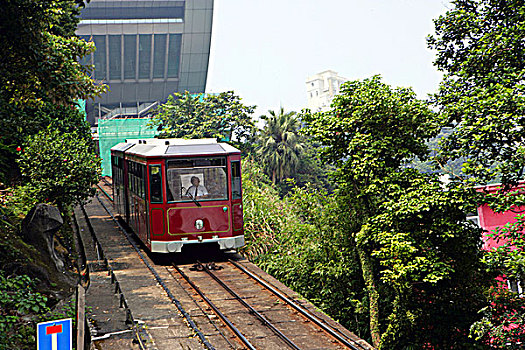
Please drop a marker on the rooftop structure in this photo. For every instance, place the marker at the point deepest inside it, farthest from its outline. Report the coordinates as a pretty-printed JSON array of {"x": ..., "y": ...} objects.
[
  {"x": 174, "y": 147},
  {"x": 146, "y": 50},
  {"x": 321, "y": 89}
]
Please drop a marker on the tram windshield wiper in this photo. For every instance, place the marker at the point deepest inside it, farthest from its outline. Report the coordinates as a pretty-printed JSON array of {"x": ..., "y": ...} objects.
[{"x": 193, "y": 199}]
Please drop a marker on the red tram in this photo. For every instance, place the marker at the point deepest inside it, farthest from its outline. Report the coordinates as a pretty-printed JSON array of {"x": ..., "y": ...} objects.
[{"x": 174, "y": 192}]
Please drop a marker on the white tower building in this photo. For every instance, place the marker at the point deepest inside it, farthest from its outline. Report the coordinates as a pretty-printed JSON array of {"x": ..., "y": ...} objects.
[{"x": 321, "y": 89}]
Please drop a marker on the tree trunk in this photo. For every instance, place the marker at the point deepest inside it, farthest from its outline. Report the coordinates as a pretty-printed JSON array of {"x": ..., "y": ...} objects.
[{"x": 373, "y": 295}]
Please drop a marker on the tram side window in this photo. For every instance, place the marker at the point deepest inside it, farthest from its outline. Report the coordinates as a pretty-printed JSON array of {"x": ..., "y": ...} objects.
[
  {"x": 155, "y": 184},
  {"x": 139, "y": 180},
  {"x": 198, "y": 178},
  {"x": 115, "y": 170},
  {"x": 120, "y": 164},
  {"x": 142, "y": 183},
  {"x": 236, "y": 180},
  {"x": 136, "y": 176},
  {"x": 130, "y": 175}
]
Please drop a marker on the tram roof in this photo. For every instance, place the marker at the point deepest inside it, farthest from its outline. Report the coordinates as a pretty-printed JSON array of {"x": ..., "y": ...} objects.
[{"x": 174, "y": 147}]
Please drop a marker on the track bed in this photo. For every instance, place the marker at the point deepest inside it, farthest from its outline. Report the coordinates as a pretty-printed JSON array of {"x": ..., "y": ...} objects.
[{"x": 173, "y": 302}]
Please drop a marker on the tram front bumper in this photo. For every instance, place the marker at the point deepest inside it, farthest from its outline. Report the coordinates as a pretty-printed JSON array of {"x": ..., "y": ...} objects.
[{"x": 225, "y": 243}]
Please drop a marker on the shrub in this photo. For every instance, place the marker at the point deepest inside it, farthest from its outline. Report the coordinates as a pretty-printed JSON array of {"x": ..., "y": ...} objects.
[
  {"x": 18, "y": 298},
  {"x": 57, "y": 168},
  {"x": 300, "y": 241}
]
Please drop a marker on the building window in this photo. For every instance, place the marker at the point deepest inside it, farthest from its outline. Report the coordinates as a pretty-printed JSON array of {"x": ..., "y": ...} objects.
[
  {"x": 174, "y": 55},
  {"x": 100, "y": 56},
  {"x": 115, "y": 56},
  {"x": 115, "y": 10},
  {"x": 87, "y": 58},
  {"x": 159, "y": 55},
  {"x": 515, "y": 286},
  {"x": 474, "y": 219},
  {"x": 144, "y": 56},
  {"x": 130, "y": 56}
]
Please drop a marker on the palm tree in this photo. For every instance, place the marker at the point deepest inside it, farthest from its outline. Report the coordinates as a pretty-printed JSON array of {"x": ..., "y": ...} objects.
[{"x": 281, "y": 145}]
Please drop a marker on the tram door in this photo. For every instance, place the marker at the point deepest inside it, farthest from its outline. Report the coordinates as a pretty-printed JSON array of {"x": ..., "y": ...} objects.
[
  {"x": 155, "y": 203},
  {"x": 236, "y": 187},
  {"x": 138, "y": 208},
  {"x": 119, "y": 185}
]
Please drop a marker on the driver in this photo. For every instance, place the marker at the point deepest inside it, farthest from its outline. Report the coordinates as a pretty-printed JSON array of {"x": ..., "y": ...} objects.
[{"x": 196, "y": 190}]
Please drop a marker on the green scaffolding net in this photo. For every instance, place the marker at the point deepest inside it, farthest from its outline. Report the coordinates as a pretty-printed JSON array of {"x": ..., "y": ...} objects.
[{"x": 113, "y": 131}]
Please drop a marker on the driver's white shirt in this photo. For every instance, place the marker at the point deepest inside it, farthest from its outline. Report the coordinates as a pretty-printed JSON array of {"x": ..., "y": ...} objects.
[{"x": 201, "y": 191}]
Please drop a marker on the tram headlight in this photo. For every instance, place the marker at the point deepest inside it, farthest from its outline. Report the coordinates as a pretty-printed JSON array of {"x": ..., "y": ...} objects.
[{"x": 199, "y": 224}]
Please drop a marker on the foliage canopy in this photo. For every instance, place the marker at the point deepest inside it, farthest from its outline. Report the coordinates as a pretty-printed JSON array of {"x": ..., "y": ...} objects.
[
  {"x": 480, "y": 49},
  {"x": 40, "y": 74},
  {"x": 58, "y": 168},
  {"x": 42, "y": 52},
  {"x": 222, "y": 116},
  {"x": 280, "y": 145},
  {"x": 409, "y": 233}
]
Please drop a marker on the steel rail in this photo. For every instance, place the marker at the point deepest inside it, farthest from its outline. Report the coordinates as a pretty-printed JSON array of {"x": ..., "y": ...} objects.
[
  {"x": 200, "y": 307},
  {"x": 257, "y": 314},
  {"x": 174, "y": 300},
  {"x": 216, "y": 310},
  {"x": 105, "y": 193},
  {"x": 136, "y": 330},
  {"x": 334, "y": 333},
  {"x": 106, "y": 181}
]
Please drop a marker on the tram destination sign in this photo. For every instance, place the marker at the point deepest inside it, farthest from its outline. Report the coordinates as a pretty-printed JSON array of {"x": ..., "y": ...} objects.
[{"x": 54, "y": 335}]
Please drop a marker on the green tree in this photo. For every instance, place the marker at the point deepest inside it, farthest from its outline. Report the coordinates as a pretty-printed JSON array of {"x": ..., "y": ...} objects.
[
  {"x": 430, "y": 259},
  {"x": 59, "y": 168},
  {"x": 221, "y": 116},
  {"x": 40, "y": 74},
  {"x": 280, "y": 145},
  {"x": 480, "y": 49},
  {"x": 408, "y": 233},
  {"x": 46, "y": 151},
  {"x": 42, "y": 52},
  {"x": 310, "y": 171},
  {"x": 298, "y": 239},
  {"x": 262, "y": 209}
]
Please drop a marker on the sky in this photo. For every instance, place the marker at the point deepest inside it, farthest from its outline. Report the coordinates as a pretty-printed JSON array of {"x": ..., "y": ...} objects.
[{"x": 265, "y": 50}]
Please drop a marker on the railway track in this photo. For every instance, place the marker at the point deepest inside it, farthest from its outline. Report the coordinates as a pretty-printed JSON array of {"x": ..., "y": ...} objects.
[
  {"x": 256, "y": 313},
  {"x": 160, "y": 281},
  {"x": 106, "y": 187},
  {"x": 241, "y": 308}
]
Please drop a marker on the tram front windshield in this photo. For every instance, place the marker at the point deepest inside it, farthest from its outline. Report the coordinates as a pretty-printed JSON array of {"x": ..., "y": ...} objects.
[{"x": 197, "y": 179}]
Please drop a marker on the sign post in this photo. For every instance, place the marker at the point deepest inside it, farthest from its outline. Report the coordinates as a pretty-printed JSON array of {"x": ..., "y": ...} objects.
[{"x": 54, "y": 335}]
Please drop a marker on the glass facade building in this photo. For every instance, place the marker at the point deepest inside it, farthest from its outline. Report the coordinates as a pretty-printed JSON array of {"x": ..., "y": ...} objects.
[{"x": 146, "y": 50}]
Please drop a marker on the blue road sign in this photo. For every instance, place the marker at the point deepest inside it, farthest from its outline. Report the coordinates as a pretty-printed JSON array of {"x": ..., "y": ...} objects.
[{"x": 54, "y": 335}]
